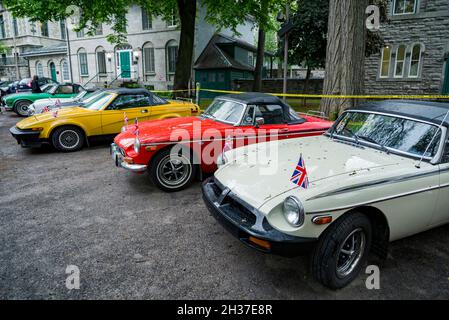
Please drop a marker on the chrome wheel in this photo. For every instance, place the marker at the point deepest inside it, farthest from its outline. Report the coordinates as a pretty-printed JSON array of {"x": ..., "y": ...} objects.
[
  {"x": 174, "y": 170},
  {"x": 350, "y": 252},
  {"x": 22, "y": 109},
  {"x": 69, "y": 139}
]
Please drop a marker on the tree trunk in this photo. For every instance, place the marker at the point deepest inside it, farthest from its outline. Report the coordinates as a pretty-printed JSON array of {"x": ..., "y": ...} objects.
[
  {"x": 257, "y": 84},
  {"x": 187, "y": 15},
  {"x": 345, "y": 56},
  {"x": 306, "y": 84}
]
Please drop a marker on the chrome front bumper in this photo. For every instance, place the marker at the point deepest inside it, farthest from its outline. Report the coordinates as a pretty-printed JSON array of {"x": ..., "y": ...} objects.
[{"x": 117, "y": 156}]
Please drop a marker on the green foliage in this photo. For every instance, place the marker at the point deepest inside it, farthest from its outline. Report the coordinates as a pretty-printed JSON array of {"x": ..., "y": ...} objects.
[{"x": 308, "y": 39}]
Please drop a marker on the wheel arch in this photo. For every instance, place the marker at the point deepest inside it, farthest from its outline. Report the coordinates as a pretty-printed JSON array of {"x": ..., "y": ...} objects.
[
  {"x": 169, "y": 146},
  {"x": 57, "y": 126},
  {"x": 381, "y": 229}
]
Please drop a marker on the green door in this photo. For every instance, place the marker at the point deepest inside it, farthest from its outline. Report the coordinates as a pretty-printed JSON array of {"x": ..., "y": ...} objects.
[
  {"x": 125, "y": 64},
  {"x": 446, "y": 79},
  {"x": 53, "y": 72}
]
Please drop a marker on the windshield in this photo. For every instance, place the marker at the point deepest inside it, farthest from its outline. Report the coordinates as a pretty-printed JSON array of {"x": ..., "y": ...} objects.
[
  {"x": 48, "y": 88},
  {"x": 226, "y": 111},
  {"x": 80, "y": 95},
  {"x": 99, "y": 101},
  {"x": 397, "y": 134}
]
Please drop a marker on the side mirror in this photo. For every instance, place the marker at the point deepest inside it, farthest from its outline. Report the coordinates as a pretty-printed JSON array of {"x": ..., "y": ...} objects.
[{"x": 259, "y": 121}]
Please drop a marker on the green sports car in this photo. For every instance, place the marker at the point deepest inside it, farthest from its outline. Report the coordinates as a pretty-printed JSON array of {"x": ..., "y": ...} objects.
[{"x": 19, "y": 102}]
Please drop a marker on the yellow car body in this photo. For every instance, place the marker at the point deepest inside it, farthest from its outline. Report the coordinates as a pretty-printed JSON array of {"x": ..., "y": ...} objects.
[{"x": 40, "y": 128}]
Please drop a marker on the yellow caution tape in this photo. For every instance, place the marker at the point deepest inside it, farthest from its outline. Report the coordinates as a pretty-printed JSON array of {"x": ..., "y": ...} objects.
[{"x": 333, "y": 96}]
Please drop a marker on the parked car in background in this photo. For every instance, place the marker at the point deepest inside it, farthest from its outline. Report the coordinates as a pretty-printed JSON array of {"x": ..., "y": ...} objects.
[
  {"x": 43, "y": 105},
  {"x": 381, "y": 173},
  {"x": 19, "y": 102},
  {"x": 241, "y": 119},
  {"x": 8, "y": 88},
  {"x": 24, "y": 85},
  {"x": 69, "y": 129}
]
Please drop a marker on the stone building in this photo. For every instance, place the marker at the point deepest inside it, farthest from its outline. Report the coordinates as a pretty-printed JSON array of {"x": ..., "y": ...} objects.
[
  {"x": 20, "y": 36},
  {"x": 149, "y": 56},
  {"x": 415, "y": 57}
]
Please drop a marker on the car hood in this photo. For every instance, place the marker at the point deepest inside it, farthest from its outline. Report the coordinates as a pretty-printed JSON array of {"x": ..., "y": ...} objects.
[
  {"x": 329, "y": 164},
  {"x": 190, "y": 128},
  {"x": 49, "y": 116}
]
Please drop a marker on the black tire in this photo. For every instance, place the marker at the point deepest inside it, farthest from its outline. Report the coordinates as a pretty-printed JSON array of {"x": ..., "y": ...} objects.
[
  {"x": 21, "y": 108},
  {"x": 68, "y": 139},
  {"x": 180, "y": 163},
  {"x": 328, "y": 260}
]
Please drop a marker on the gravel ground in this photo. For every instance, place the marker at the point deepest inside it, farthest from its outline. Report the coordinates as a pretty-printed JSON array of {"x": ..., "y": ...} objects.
[{"x": 132, "y": 241}]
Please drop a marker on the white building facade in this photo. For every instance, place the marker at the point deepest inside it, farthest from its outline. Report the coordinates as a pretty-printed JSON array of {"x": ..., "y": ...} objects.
[{"x": 148, "y": 57}]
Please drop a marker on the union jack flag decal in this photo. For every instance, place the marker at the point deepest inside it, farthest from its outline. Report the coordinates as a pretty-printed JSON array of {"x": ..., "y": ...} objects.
[{"x": 299, "y": 176}]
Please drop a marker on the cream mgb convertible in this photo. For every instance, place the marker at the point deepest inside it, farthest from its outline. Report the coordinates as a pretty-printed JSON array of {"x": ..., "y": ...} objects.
[{"x": 381, "y": 173}]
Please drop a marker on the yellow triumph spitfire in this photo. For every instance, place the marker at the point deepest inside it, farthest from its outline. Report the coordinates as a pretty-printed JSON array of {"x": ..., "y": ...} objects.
[{"x": 69, "y": 129}]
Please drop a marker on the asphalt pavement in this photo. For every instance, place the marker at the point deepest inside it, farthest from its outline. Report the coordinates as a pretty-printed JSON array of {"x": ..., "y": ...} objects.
[{"x": 130, "y": 240}]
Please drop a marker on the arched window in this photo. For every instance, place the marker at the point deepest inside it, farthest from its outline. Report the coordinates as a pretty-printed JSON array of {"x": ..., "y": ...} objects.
[
  {"x": 415, "y": 61},
  {"x": 385, "y": 62},
  {"x": 39, "y": 69},
  {"x": 65, "y": 70},
  {"x": 100, "y": 54},
  {"x": 82, "y": 59},
  {"x": 400, "y": 61},
  {"x": 172, "y": 56},
  {"x": 148, "y": 58}
]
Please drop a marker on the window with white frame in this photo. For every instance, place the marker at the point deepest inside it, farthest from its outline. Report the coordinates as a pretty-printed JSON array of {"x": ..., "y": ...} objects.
[
  {"x": 65, "y": 70},
  {"x": 173, "y": 21},
  {"x": 101, "y": 61},
  {"x": 404, "y": 6},
  {"x": 400, "y": 61},
  {"x": 415, "y": 61},
  {"x": 147, "y": 22},
  {"x": 148, "y": 58},
  {"x": 63, "y": 29},
  {"x": 98, "y": 30},
  {"x": 385, "y": 62},
  {"x": 80, "y": 34},
  {"x": 172, "y": 56},
  {"x": 44, "y": 29},
  {"x": 39, "y": 69},
  {"x": 82, "y": 58}
]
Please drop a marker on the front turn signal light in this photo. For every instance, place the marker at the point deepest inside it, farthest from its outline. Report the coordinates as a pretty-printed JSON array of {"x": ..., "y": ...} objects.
[
  {"x": 37, "y": 129},
  {"x": 260, "y": 243},
  {"x": 322, "y": 220}
]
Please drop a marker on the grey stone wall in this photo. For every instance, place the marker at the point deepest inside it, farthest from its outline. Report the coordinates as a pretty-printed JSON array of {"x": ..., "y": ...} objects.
[{"x": 429, "y": 27}]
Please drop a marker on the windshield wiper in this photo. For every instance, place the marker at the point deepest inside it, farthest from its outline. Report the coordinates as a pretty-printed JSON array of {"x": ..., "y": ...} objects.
[{"x": 385, "y": 149}]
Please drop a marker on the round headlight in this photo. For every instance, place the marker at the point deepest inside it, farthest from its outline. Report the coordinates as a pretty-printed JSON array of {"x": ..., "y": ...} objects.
[
  {"x": 294, "y": 211},
  {"x": 137, "y": 145}
]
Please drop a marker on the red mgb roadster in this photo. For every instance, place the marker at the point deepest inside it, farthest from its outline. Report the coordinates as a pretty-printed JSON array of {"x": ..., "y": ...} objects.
[{"x": 176, "y": 151}]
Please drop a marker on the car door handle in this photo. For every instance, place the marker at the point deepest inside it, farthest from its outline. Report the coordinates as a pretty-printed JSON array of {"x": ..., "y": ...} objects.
[
  {"x": 144, "y": 111},
  {"x": 283, "y": 130}
]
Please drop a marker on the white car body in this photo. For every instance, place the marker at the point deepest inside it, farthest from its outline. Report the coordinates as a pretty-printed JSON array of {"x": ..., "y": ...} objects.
[
  {"x": 361, "y": 194},
  {"x": 39, "y": 105}
]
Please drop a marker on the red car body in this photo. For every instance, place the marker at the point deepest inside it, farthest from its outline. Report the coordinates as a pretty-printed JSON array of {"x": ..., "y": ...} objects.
[
  {"x": 205, "y": 137},
  {"x": 156, "y": 135}
]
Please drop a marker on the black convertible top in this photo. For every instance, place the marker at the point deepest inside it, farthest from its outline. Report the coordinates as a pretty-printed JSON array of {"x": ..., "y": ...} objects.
[
  {"x": 258, "y": 98},
  {"x": 422, "y": 110},
  {"x": 253, "y": 98},
  {"x": 130, "y": 91}
]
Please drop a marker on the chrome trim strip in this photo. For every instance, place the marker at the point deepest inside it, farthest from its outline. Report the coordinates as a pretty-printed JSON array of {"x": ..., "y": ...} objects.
[
  {"x": 373, "y": 184},
  {"x": 377, "y": 200},
  {"x": 295, "y": 133}
]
